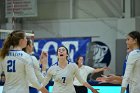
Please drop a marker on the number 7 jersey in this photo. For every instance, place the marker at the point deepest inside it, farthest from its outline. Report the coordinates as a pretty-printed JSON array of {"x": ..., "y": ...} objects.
[{"x": 63, "y": 78}]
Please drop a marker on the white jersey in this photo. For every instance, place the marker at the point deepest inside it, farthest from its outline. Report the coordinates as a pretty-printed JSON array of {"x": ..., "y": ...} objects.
[
  {"x": 37, "y": 70},
  {"x": 84, "y": 72},
  {"x": 132, "y": 72},
  {"x": 18, "y": 69},
  {"x": 1, "y": 68},
  {"x": 63, "y": 78}
]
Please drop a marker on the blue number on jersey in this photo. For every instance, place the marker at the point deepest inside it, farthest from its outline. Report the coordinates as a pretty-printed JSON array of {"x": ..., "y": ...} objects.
[{"x": 11, "y": 66}]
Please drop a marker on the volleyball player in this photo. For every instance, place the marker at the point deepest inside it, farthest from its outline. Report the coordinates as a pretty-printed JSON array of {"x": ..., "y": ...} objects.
[
  {"x": 17, "y": 65},
  {"x": 132, "y": 76},
  {"x": 63, "y": 73},
  {"x": 43, "y": 58},
  {"x": 84, "y": 72}
]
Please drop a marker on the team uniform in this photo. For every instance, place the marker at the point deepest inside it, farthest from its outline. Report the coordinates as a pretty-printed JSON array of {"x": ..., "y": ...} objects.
[
  {"x": 132, "y": 75},
  {"x": 38, "y": 74},
  {"x": 63, "y": 78},
  {"x": 1, "y": 68},
  {"x": 124, "y": 67},
  {"x": 18, "y": 69},
  {"x": 84, "y": 72}
]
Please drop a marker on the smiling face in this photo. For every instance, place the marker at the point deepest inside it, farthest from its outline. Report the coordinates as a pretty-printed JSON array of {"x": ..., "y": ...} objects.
[
  {"x": 62, "y": 53},
  {"x": 80, "y": 61}
]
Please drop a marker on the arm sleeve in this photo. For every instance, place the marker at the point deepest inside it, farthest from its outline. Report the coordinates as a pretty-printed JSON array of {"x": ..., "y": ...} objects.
[
  {"x": 37, "y": 69},
  {"x": 89, "y": 69},
  {"x": 31, "y": 73},
  {"x": 77, "y": 75},
  {"x": 47, "y": 77},
  {"x": 132, "y": 58},
  {"x": 1, "y": 68}
]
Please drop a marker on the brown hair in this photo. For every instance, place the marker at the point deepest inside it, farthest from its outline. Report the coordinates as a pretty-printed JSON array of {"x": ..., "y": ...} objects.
[
  {"x": 29, "y": 41},
  {"x": 11, "y": 40},
  {"x": 135, "y": 35},
  {"x": 76, "y": 61}
]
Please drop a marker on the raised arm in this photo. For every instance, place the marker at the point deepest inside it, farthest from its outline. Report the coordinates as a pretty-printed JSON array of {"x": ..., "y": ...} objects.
[
  {"x": 101, "y": 69},
  {"x": 47, "y": 77},
  {"x": 44, "y": 62},
  {"x": 32, "y": 77},
  {"x": 37, "y": 69}
]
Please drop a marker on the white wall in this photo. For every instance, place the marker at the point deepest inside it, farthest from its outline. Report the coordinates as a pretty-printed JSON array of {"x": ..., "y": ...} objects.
[
  {"x": 125, "y": 26},
  {"x": 138, "y": 23},
  {"x": 78, "y": 9},
  {"x": 97, "y": 8}
]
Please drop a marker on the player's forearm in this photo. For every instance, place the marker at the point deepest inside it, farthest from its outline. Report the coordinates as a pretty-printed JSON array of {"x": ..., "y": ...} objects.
[
  {"x": 43, "y": 90},
  {"x": 44, "y": 67},
  {"x": 123, "y": 89},
  {"x": 88, "y": 86},
  {"x": 31, "y": 76},
  {"x": 98, "y": 70},
  {"x": 39, "y": 76}
]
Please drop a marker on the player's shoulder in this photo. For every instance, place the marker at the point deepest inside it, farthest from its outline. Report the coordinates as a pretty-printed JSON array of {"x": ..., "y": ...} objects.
[
  {"x": 134, "y": 52},
  {"x": 33, "y": 57},
  {"x": 25, "y": 54},
  {"x": 72, "y": 64},
  {"x": 86, "y": 66},
  {"x": 18, "y": 53},
  {"x": 53, "y": 66},
  {"x": 26, "y": 57}
]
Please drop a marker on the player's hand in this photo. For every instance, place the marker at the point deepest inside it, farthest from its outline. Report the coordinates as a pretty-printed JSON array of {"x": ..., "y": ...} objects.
[
  {"x": 94, "y": 90},
  {"x": 106, "y": 68},
  {"x": 44, "y": 90},
  {"x": 101, "y": 79},
  {"x": 111, "y": 77},
  {"x": 44, "y": 58}
]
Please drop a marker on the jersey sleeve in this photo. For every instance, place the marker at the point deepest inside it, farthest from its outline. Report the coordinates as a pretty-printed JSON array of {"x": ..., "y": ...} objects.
[
  {"x": 47, "y": 77},
  {"x": 77, "y": 74},
  {"x": 1, "y": 67},
  {"x": 89, "y": 69},
  {"x": 37, "y": 69},
  {"x": 31, "y": 73},
  {"x": 132, "y": 58}
]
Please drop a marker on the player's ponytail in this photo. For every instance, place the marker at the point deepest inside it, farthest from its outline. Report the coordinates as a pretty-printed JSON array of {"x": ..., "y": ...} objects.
[
  {"x": 11, "y": 40},
  {"x": 6, "y": 46}
]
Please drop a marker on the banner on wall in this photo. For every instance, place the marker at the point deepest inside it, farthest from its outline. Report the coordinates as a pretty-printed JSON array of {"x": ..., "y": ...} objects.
[
  {"x": 75, "y": 46},
  {"x": 1, "y": 42},
  {"x": 21, "y": 8},
  {"x": 98, "y": 54}
]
